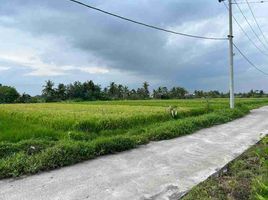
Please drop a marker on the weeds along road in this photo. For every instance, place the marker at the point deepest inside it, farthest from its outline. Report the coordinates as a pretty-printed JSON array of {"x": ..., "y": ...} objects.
[{"x": 159, "y": 170}]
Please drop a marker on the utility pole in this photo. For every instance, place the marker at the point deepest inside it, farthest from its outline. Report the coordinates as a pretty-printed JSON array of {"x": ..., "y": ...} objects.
[{"x": 231, "y": 55}]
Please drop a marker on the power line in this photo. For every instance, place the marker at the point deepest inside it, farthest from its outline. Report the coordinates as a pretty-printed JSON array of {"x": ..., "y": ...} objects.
[
  {"x": 249, "y": 61},
  {"x": 239, "y": 2},
  {"x": 250, "y": 25},
  {"x": 245, "y": 33},
  {"x": 256, "y": 21},
  {"x": 241, "y": 53},
  {"x": 147, "y": 25}
]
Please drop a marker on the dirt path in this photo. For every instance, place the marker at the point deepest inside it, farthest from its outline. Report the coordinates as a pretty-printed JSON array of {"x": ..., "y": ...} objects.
[{"x": 159, "y": 170}]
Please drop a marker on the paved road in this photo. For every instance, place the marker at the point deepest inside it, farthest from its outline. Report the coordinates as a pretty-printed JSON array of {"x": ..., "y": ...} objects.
[{"x": 160, "y": 170}]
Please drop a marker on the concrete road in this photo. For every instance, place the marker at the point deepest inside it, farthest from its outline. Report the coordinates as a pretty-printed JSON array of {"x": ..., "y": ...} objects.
[{"x": 160, "y": 170}]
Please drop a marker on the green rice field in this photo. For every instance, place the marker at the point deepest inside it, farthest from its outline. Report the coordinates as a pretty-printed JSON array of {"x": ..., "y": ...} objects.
[{"x": 39, "y": 137}]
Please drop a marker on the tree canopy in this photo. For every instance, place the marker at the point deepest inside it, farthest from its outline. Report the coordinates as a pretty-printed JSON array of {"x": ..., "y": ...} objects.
[
  {"x": 89, "y": 91},
  {"x": 8, "y": 94}
]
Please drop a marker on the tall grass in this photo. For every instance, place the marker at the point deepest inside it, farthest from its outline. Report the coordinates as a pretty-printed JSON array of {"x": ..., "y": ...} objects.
[{"x": 37, "y": 120}]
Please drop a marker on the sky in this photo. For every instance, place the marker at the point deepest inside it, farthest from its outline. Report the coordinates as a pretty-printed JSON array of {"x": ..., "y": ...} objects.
[{"x": 64, "y": 42}]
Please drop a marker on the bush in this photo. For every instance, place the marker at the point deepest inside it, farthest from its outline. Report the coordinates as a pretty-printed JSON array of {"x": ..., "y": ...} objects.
[{"x": 8, "y": 94}]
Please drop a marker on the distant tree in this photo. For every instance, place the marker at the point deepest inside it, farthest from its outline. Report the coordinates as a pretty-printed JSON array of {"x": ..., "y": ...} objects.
[
  {"x": 223, "y": 95},
  {"x": 140, "y": 93},
  {"x": 251, "y": 93},
  {"x": 133, "y": 94},
  {"x": 8, "y": 94},
  {"x": 213, "y": 94},
  {"x": 199, "y": 93},
  {"x": 24, "y": 98},
  {"x": 70, "y": 91},
  {"x": 143, "y": 93},
  {"x": 61, "y": 92},
  {"x": 146, "y": 90},
  {"x": 105, "y": 94},
  {"x": 161, "y": 93},
  {"x": 126, "y": 93},
  {"x": 178, "y": 93},
  {"x": 75, "y": 91},
  {"x": 48, "y": 92},
  {"x": 91, "y": 91},
  {"x": 120, "y": 91},
  {"x": 113, "y": 91}
]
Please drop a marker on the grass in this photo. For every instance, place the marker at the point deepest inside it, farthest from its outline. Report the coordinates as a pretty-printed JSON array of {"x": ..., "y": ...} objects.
[
  {"x": 38, "y": 137},
  {"x": 245, "y": 178}
]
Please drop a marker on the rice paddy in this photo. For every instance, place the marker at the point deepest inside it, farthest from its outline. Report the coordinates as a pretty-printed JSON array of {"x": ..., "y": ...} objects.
[{"x": 38, "y": 137}]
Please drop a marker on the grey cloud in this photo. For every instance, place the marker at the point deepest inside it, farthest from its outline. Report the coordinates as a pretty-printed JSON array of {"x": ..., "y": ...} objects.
[{"x": 127, "y": 47}]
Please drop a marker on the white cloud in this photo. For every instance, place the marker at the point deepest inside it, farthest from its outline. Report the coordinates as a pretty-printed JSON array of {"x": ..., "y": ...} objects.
[
  {"x": 4, "y": 68},
  {"x": 94, "y": 70},
  {"x": 45, "y": 72},
  {"x": 44, "y": 57},
  {"x": 42, "y": 69}
]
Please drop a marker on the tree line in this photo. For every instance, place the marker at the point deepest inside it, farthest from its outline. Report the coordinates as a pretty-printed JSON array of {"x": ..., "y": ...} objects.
[{"x": 89, "y": 91}]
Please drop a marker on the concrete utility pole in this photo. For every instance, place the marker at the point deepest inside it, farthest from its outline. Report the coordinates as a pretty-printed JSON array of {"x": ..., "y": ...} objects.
[{"x": 231, "y": 55}]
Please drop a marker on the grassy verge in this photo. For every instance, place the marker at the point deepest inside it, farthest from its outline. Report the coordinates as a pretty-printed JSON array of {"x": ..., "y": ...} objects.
[
  {"x": 245, "y": 178},
  {"x": 33, "y": 156}
]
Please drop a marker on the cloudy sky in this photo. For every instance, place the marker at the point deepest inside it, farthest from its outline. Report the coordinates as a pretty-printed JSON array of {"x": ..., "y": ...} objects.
[{"x": 65, "y": 42}]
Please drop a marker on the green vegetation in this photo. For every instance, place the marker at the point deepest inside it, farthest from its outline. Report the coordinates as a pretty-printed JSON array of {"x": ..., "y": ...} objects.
[
  {"x": 8, "y": 94},
  {"x": 245, "y": 178},
  {"x": 38, "y": 137},
  {"x": 89, "y": 91}
]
